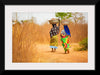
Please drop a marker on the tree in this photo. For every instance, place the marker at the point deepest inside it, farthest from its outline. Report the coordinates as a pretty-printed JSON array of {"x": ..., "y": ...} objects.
[
  {"x": 78, "y": 18},
  {"x": 75, "y": 17},
  {"x": 63, "y": 15}
]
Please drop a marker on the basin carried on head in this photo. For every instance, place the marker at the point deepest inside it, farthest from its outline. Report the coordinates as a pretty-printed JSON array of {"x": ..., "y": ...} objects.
[
  {"x": 53, "y": 21},
  {"x": 65, "y": 22}
]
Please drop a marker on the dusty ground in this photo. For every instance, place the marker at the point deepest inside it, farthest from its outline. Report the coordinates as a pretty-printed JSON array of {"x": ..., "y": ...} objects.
[{"x": 44, "y": 55}]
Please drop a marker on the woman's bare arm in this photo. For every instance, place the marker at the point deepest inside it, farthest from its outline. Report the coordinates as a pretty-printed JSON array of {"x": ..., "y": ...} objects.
[{"x": 59, "y": 23}]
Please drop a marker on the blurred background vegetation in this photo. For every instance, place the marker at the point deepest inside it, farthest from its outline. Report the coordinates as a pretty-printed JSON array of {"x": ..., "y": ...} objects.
[{"x": 84, "y": 44}]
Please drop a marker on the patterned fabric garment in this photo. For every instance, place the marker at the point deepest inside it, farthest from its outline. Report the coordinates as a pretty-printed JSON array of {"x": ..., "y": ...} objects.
[
  {"x": 54, "y": 40},
  {"x": 65, "y": 42},
  {"x": 63, "y": 32},
  {"x": 54, "y": 31}
]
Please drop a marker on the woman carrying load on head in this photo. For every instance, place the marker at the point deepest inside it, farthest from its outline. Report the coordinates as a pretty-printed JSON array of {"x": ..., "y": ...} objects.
[
  {"x": 53, "y": 33},
  {"x": 64, "y": 35}
]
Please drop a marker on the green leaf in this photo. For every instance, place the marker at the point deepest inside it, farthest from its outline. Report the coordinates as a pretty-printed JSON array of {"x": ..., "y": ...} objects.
[{"x": 62, "y": 15}]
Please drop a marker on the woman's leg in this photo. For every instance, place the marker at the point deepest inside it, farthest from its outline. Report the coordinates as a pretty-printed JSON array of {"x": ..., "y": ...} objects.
[
  {"x": 68, "y": 51},
  {"x": 65, "y": 50},
  {"x": 52, "y": 49}
]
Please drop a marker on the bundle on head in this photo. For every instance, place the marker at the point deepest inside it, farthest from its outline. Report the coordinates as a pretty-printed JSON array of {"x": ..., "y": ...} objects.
[
  {"x": 53, "y": 21},
  {"x": 65, "y": 22}
]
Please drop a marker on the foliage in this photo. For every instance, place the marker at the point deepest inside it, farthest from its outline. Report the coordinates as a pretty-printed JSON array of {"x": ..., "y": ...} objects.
[
  {"x": 63, "y": 15},
  {"x": 18, "y": 22},
  {"x": 78, "y": 17},
  {"x": 84, "y": 44}
]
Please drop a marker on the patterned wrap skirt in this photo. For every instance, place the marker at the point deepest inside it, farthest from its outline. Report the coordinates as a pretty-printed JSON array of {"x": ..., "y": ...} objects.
[
  {"x": 65, "y": 43},
  {"x": 54, "y": 41}
]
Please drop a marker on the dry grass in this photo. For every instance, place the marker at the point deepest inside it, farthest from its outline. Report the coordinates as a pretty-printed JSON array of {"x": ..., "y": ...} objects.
[
  {"x": 26, "y": 37},
  {"x": 23, "y": 43}
]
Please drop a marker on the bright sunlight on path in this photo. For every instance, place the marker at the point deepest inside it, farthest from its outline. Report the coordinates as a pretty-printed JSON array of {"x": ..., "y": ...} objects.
[{"x": 44, "y": 55}]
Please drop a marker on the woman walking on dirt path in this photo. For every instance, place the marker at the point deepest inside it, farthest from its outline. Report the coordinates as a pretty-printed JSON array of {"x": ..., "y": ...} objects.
[
  {"x": 64, "y": 36},
  {"x": 54, "y": 33}
]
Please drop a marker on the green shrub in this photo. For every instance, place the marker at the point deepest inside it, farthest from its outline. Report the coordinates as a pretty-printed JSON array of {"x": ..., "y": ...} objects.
[
  {"x": 18, "y": 22},
  {"x": 84, "y": 44}
]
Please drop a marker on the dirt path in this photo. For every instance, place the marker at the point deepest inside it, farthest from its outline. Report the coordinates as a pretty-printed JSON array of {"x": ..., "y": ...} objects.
[{"x": 44, "y": 55}]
